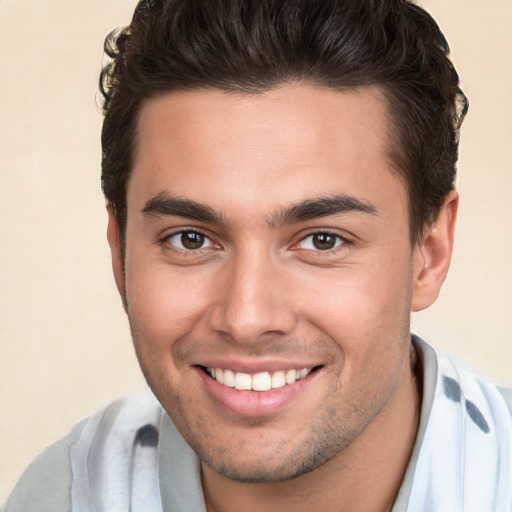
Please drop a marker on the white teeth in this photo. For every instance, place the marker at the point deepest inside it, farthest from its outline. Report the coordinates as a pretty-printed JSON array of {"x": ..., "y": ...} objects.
[
  {"x": 291, "y": 376},
  {"x": 229, "y": 379},
  {"x": 304, "y": 372},
  {"x": 278, "y": 380},
  {"x": 243, "y": 381},
  {"x": 263, "y": 381}
]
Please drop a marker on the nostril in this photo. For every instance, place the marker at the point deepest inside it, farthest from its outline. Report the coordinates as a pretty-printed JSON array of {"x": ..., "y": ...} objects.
[{"x": 247, "y": 324}]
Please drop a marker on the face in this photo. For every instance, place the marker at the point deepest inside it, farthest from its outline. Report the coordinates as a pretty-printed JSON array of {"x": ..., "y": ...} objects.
[{"x": 268, "y": 273}]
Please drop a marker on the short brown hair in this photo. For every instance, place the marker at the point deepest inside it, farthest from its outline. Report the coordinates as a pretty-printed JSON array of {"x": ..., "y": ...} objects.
[{"x": 250, "y": 46}]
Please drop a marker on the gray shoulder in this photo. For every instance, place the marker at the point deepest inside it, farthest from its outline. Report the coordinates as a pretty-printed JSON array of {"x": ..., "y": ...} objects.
[
  {"x": 46, "y": 483},
  {"x": 506, "y": 393}
]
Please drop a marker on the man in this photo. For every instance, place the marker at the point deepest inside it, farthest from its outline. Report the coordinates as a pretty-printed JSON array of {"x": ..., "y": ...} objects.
[{"x": 279, "y": 178}]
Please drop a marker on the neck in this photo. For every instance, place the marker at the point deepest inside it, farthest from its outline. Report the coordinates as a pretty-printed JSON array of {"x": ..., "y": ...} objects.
[{"x": 365, "y": 476}]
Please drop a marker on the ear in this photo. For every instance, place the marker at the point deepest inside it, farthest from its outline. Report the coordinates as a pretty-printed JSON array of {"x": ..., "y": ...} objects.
[
  {"x": 433, "y": 254},
  {"x": 114, "y": 241}
]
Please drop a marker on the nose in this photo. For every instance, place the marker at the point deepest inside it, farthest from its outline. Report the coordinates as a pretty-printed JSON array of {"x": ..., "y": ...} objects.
[{"x": 252, "y": 301}]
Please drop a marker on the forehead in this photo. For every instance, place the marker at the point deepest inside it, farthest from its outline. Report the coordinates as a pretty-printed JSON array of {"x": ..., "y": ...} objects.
[{"x": 270, "y": 149}]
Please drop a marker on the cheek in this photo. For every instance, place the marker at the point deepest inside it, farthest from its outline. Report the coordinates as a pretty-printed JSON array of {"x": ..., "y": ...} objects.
[
  {"x": 365, "y": 309},
  {"x": 357, "y": 295},
  {"x": 164, "y": 305}
]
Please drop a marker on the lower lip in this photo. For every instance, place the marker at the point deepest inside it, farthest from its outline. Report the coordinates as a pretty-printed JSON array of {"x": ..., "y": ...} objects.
[{"x": 253, "y": 404}]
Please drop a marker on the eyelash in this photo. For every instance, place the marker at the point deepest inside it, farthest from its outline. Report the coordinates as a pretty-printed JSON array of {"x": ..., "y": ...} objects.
[
  {"x": 338, "y": 241},
  {"x": 166, "y": 240}
]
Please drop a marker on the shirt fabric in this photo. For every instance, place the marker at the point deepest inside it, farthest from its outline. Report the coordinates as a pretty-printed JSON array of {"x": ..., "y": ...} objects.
[{"x": 109, "y": 461}]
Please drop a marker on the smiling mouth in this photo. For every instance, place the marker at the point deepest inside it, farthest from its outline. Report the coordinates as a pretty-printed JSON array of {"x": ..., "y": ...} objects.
[{"x": 263, "y": 381}]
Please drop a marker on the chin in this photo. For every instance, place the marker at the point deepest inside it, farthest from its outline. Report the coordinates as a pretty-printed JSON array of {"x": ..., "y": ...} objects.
[
  {"x": 277, "y": 465},
  {"x": 262, "y": 473}
]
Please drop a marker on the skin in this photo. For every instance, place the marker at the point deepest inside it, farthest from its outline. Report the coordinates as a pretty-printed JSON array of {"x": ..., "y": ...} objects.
[{"x": 258, "y": 293}]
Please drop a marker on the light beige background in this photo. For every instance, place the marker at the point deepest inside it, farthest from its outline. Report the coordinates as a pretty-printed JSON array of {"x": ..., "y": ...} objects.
[{"x": 64, "y": 343}]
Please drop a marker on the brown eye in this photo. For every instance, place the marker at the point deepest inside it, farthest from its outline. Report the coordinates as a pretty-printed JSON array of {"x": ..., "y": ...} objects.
[
  {"x": 189, "y": 240},
  {"x": 321, "y": 241}
]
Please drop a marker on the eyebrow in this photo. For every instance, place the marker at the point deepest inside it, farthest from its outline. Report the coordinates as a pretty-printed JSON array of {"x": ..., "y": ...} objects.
[
  {"x": 321, "y": 207},
  {"x": 164, "y": 204}
]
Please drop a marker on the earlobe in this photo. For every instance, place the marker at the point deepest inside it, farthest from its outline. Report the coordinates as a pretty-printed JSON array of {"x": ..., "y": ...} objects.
[
  {"x": 433, "y": 254},
  {"x": 114, "y": 241}
]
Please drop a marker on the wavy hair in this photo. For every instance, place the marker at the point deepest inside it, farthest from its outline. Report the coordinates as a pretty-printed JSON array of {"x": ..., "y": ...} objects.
[{"x": 250, "y": 46}]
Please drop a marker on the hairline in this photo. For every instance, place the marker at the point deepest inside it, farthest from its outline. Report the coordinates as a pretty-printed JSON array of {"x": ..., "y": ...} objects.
[{"x": 393, "y": 150}]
